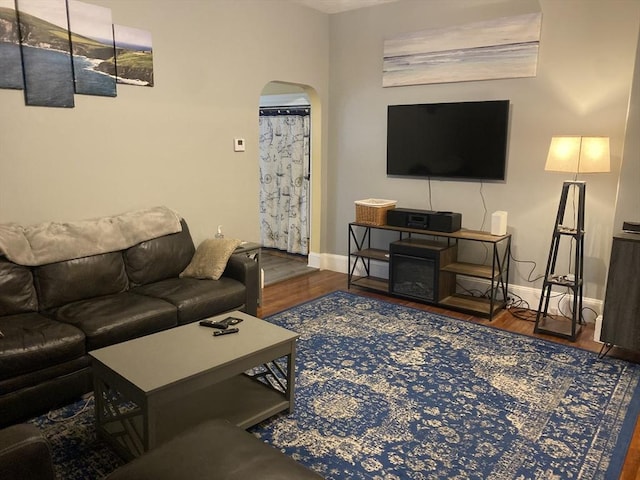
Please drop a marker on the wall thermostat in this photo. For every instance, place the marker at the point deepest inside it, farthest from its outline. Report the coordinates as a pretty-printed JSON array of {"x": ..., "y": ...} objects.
[{"x": 238, "y": 144}]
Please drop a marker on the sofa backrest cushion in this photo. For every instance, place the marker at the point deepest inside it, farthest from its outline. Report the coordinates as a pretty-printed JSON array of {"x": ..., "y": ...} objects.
[
  {"x": 88, "y": 277},
  {"x": 159, "y": 258},
  {"x": 17, "y": 291}
]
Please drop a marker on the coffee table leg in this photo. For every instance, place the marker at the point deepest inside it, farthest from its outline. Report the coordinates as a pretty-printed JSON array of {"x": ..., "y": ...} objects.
[
  {"x": 149, "y": 420},
  {"x": 291, "y": 377},
  {"x": 116, "y": 420},
  {"x": 99, "y": 407}
]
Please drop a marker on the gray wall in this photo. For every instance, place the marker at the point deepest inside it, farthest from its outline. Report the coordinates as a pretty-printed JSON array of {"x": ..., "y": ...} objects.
[
  {"x": 171, "y": 144},
  {"x": 628, "y": 202},
  {"x": 585, "y": 67}
]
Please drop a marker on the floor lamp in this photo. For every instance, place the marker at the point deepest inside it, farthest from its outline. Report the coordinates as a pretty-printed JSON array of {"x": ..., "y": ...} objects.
[{"x": 574, "y": 154}]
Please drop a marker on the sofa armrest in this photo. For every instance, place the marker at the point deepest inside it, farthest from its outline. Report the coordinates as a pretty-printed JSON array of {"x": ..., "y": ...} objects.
[
  {"x": 24, "y": 454},
  {"x": 245, "y": 270}
]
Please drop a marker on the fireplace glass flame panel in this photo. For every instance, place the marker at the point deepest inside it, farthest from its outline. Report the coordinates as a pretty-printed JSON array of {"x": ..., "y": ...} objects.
[
  {"x": 414, "y": 277},
  {"x": 414, "y": 269}
]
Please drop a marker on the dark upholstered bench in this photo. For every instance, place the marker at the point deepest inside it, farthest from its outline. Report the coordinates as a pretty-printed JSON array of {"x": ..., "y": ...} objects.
[
  {"x": 24, "y": 454},
  {"x": 215, "y": 450}
]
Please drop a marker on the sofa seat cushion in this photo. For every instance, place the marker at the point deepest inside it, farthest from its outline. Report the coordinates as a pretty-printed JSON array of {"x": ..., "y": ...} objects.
[
  {"x": 197, "y": 299},
  {"x": 32, "y": 342},
  {"x": 116, "y": 318}
]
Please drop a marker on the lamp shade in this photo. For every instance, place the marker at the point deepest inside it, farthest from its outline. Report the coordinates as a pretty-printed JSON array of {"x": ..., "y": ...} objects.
[{"x": 578, "y": 154}]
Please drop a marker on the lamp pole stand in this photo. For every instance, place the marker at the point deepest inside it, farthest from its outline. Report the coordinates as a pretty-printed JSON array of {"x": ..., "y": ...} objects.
[{"x": 558, "y": 325}]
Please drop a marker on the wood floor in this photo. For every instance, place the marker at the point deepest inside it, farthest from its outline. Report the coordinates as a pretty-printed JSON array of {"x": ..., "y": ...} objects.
[
  {"x": 279, "y": 266},
  {"x": 283, "y": 295}
]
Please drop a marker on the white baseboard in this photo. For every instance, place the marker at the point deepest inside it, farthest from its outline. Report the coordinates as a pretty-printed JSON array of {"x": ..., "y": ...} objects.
[
  {"x": 597, "y": 329},
  {"x": 530, "y": 295},
  {"x": 328, "y": 261},
  {"x": 315, "y": 260}
]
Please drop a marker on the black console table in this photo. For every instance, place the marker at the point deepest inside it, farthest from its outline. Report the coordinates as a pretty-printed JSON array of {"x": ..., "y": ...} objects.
[
  {"x": 435, "y": 256},
  {"x": 621, "y": 314}
]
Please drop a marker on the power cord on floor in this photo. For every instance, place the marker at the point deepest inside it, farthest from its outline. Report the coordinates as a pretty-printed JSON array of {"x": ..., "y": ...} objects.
[
  {"x": 519, "y": 308},
  {"x": 85, "y": 407},
  {"x": 472, "y": 293}
]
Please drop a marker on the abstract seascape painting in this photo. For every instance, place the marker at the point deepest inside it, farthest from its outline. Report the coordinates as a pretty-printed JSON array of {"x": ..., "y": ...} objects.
[
  {"x": 93, "y": 49},
  {"x": 501, "y": 48},
  {"x": 54, "y": 49},
  {"x": 46, "y": 53},
  {"x": 134, "y": 56},
  {"x": 10, "y": 59}
]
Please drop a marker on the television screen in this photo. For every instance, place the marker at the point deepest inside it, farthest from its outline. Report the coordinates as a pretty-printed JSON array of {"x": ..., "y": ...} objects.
[{"x": 462, "y": 140}]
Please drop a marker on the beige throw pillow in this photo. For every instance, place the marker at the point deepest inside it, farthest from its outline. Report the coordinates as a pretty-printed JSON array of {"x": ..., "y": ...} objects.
[{"x": 211, "y": 258}]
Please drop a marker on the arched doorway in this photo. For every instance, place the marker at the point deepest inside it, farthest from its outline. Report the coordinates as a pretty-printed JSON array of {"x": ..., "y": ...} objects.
[
  {"x": 293, "y": 101},
  {"x": 285, "y": 169}
]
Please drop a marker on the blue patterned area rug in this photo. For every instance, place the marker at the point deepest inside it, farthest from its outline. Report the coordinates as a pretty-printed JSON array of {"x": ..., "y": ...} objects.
[
  {"x": 77, "y": 453},
  {"x": 390, "y": 392}
]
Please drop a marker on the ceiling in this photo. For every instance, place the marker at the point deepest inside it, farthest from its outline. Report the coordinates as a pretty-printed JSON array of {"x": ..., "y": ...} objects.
[{"x": 337, "y": 6}]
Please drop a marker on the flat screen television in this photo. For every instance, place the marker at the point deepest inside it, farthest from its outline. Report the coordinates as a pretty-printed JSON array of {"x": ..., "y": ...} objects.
[{"x": 460, "y": 140}]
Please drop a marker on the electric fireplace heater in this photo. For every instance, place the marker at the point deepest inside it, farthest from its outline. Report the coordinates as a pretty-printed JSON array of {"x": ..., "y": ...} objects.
[{"x": 414, "y": 269}]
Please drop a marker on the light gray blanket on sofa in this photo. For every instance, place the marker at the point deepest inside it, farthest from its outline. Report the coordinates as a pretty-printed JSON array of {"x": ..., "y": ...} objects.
[{"x": 54, "y": 242}]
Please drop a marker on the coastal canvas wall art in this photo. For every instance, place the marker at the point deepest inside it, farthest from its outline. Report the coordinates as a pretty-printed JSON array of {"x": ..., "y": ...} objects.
[
  {"x": 10, "y": 59},
  {"x": 55, "y": 49},
  {"x": 134, "y": 56},
  {"x": 93, "y": 49},
  {"x": 46, "y": 53},
  {"x": 500, "y": 48}
]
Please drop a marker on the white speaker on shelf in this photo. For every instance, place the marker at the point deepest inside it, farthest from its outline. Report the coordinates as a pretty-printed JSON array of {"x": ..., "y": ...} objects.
[{"x": 499, "y": 223}]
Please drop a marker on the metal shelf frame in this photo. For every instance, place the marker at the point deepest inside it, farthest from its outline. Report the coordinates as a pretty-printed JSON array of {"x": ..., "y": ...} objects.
[{"x": 361, "y": 253}]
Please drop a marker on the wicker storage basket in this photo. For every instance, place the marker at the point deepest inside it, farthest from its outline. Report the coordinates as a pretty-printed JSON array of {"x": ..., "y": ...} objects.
[{"x": 373, "y": 211}]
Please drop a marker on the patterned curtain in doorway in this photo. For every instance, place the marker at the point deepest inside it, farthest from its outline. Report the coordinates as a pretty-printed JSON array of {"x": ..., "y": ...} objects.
[{"x": 284, "y": 178}]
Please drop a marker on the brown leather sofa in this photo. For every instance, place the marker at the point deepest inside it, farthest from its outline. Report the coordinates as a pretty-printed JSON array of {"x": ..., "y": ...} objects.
[
  {"x": 215, "y": 450},
  {"x": 52, "y": 315}
]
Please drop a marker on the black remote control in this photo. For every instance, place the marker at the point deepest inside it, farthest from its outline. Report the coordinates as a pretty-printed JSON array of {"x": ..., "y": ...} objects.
[
  {"x": 232, "y": 320},
  {"x": 217, "y": 333},
  {"x": 212, "y": 324}
]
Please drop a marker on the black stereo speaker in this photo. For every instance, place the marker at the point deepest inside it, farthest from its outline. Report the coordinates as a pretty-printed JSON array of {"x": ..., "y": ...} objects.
[{"x": 424, "y": 219}]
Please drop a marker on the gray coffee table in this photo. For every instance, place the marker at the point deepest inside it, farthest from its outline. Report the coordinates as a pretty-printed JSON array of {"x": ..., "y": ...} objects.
[{"x": 149, "y": 389}]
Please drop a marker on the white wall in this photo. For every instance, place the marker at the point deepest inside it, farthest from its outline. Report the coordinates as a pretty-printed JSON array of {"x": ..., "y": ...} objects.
[
  {"x": 628, "y": 201},
  {"x": 171, "y": 144},
  {"x": 585, "y": 67}
]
